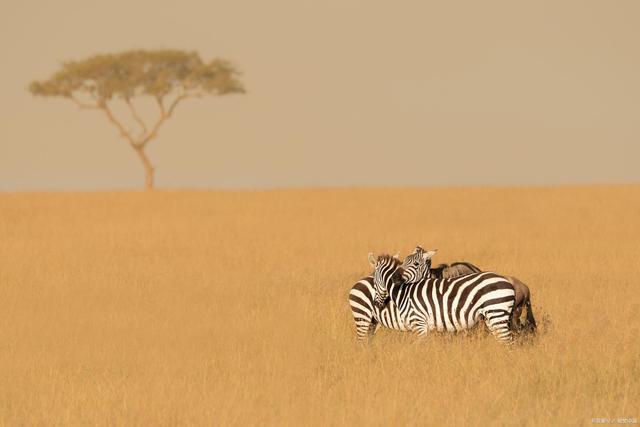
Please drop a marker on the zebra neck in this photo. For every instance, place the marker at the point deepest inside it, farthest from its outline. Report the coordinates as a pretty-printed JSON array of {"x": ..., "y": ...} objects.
[{"x": 399, "y": 294}]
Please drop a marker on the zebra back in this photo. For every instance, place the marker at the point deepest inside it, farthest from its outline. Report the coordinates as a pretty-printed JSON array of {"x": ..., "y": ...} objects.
[{"x": 456, "y": 304}]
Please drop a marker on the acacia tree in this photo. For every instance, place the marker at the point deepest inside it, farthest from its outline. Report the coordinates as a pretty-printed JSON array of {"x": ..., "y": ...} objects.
[{"x": 167, "y": 76}]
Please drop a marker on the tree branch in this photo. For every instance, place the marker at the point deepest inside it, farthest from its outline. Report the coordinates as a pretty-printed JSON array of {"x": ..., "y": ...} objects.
[
  {"x": 164, "y": 115},
  {"x": 83, "y": 104},
  {"x": 175, "y": 102},
  {"x": 137, "y": 118},
  {"x": 119, "y": 125},
  {"x": 154, "y": 130},
  {"x": 160, "y": 102}
]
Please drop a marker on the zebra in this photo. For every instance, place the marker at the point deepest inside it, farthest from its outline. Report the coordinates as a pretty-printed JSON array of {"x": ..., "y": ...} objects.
[
  {"x": 367, "y": 315},
  {"x": 416, "y": 265},
  {"x": 446, "y": 304},
  {"x": 523, "y": 294}
]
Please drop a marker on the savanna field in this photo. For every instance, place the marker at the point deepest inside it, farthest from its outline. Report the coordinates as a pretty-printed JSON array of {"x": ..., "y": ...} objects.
[{"x": 230, "y": 308}]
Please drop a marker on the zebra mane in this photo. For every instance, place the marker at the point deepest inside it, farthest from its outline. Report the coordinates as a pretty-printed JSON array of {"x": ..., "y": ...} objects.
[
  {"x": 388, "y": 258},
  {"x": 397, "y": 265}
]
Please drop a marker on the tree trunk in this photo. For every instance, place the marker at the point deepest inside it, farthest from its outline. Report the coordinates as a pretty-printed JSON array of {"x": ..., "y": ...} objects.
[{"x": 148, "y": 168}]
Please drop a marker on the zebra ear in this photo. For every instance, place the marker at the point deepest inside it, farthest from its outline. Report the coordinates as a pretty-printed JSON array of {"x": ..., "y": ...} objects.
[
  {"x": 429, "y": 254},
  {"x": 372, "y": 259},
  {"x": 397, "y": 255}
]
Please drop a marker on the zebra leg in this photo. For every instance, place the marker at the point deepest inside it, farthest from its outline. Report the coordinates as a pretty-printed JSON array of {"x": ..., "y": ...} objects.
[
  {"x": 499, "y": 324},
  {"x": 365, "y": 326},
  {"x": 419, "y": 326},
  {"x": 422, "y": 331},
  {"x": 372, "y": 328}
]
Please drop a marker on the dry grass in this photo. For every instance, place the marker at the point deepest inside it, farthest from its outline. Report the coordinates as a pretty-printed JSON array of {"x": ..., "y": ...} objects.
[{"x": 231, "y": 308}]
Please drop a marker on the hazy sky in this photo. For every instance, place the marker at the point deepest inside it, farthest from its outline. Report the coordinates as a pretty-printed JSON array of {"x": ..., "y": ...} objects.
[{"x": 340, "y": 93}]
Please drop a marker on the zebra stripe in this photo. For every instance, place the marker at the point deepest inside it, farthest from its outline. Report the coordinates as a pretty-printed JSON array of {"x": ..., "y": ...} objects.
[
  {"x": 447, "y": 304},
  {"x": 366, "y": 315}
]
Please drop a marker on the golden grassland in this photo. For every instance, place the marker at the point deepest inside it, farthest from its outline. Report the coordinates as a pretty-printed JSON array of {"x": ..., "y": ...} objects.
[{"x": 230, "y": 308}]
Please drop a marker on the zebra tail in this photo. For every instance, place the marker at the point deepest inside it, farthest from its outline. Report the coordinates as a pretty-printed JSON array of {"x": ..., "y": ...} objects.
[
  {"x": 531, "y": 321},
  {"x": 511, "y": 322}
]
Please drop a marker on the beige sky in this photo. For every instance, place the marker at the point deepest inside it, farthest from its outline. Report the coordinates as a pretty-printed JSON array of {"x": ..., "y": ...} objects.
[{"x": 340, "y": 93}]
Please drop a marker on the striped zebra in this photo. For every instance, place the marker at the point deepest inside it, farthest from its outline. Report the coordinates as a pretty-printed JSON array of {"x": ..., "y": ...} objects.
[
  {"x": 523, "y": 294},
  {"x": 367, "y": 315},
  {"x": 446, "y": 304}
]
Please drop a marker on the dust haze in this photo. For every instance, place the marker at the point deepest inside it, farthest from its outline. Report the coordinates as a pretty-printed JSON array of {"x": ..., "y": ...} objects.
[{"x": 494, "y": 93}]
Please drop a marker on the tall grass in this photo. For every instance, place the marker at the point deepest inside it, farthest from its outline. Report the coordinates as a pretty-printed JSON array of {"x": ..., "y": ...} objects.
[{"x": 223, "y": 308}]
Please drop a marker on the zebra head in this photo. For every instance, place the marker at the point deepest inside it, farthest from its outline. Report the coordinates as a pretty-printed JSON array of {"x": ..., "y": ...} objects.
[
  {"x": 417, "y": 265},
  {"x": 385, "y": 267}
]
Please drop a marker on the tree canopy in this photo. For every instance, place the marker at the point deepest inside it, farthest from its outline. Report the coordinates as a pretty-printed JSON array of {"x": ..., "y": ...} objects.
[
  {"x": 168, "y": 76},
  {"x": 157, "y": 73}
]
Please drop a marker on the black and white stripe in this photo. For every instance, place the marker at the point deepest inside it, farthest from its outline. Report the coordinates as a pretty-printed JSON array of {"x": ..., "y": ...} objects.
[
  {"x": 366, "y": 315},
  {"x": 446, "y": 304}
]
